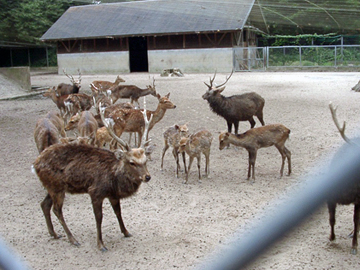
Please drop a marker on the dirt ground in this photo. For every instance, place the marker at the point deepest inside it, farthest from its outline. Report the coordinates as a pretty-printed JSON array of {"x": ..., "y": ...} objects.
[{"x": 178, "y": 226}]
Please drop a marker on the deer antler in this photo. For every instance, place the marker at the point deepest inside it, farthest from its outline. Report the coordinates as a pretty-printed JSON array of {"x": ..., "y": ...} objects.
[
  {"x": 146, "y": 127},
  {"x": 341, "y": 130},
  {"x": 69, "y": 76},
  {"x": 211, "y": 81},
  {"x": 227, "y": 78},
  {"x": 109, "y": 127}
]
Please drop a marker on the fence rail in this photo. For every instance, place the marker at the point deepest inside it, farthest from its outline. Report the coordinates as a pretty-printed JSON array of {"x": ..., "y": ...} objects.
[{"x": 260, "y": 58}]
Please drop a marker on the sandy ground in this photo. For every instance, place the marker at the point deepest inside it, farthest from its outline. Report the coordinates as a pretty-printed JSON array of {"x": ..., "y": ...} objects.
[{"x": 178, "y": 226}]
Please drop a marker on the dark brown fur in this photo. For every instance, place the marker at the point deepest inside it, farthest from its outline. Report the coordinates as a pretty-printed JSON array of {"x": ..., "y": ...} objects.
[
  {"x": 78, "y": 168},
  {"x": 236, "y": 108}
]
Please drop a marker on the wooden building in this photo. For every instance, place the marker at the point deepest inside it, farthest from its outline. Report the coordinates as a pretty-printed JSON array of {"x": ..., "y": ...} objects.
[{"x": 149, "y": 36}]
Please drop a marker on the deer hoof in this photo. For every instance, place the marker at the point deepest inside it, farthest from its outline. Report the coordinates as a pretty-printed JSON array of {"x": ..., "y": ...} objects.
[
  {"x": 103, "y": 249},
  {"x": 353, "y": 251}
]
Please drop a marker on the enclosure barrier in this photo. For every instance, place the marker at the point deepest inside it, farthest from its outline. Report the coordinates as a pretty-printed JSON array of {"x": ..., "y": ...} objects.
[
  {"x": 315, "y": 192},
  {"x": 260, "y": 58}
]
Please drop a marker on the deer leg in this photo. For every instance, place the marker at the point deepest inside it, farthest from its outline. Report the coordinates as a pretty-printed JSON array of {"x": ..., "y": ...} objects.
[
  {"x": 331, "y": 209},
  {"x": 184, "y": 161},
  {"x": 198, "y": 165},
  {"x": 252, "y": 122},
  {"x": 187, "y": 173},
  {"x": 236, "y": 127},
  {"x": 207, "y": 164},
  {"x": 166, "y": 147},
  {"x": 251, "y": 169},
  {"x": 229, "y": 124},
  {"x": 115, "y": 203},
  {"x": 259, "y": 115},
  {"x": 356, "y": 229},
  {"x": 283, "y": 157},
  {"x": 176, "y": 156},
  {"x": 58, "y": 200},
  {"x": 46, "y": 205},
  {"x": 97, "y": 208},
  {"x": 288, "y": 155}
]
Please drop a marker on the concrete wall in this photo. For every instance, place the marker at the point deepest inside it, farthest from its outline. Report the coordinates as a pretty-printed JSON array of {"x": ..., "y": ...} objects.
[
  {"x": 191, "y": 60},
  {"x": 94, "y": 63},
  {"x": 18, "y": 75},
  {"x": 188, "y": 61}
]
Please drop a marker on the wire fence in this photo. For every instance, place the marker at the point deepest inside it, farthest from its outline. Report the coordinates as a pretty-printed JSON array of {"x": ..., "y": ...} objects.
[{"x": 261, "y": 58}]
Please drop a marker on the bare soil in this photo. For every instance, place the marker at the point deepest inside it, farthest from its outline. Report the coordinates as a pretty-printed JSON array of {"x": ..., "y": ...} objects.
[{"x": 178, "y": 226}]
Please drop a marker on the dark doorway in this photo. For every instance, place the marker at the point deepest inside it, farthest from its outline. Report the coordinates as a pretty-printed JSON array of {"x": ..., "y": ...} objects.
[{"x": 138, "y": 54}]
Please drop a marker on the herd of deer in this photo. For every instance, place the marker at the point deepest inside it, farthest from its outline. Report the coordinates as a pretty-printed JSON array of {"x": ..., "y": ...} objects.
[{"x": 84, "y": 165}]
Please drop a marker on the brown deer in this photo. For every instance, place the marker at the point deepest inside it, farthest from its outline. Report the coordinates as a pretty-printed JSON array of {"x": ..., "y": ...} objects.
[
  {"x": 131, "y": 91},
  {"x": 80, "y": 168},
  {"x": 256, "y": 138},
  {"x": 73, "y": 88},
  {"x": 351, "y": 194},
  {"x": 105, "y": 85},
  {"x": 197, "y": 143},
  {"x": 78, "y": 103},
  {"x": 45, "y": 134},
  {"x": 104, "y": 138},
  {"x": 86, "y": 124},
  {"x": 172, "y": 136},
  {"x": 131, "y": 120},
  {"x": 58, "y": 100},
  {"x": 58, "y": 121},
  {"x": 234, "y": 108}
]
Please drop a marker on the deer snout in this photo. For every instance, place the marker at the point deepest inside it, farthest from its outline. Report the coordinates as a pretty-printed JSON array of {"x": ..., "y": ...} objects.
[{"x": 147, "y": 178}]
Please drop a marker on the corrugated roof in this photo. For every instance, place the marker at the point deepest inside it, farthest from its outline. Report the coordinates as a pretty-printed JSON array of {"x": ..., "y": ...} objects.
[{"x": 142, "y": 18}]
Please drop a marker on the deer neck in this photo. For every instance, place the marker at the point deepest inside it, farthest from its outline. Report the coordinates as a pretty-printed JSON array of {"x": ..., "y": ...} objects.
[
  {"x": 158, "y": 114},
  {"x": 145, "y": 91},
  {"x": 125, "y": 184},
  {"x": 240, "y": 140}
]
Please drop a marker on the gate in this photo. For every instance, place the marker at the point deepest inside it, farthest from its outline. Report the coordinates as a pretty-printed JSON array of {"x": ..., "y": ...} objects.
[{"x": 249, "y": 58}]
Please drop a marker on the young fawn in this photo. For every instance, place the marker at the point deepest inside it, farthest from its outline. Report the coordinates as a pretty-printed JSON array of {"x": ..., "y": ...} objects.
[
  {"x": 197, "y": 143},
  {"x": 172, "y": 138},
  {"x": 256, "y": 138}
]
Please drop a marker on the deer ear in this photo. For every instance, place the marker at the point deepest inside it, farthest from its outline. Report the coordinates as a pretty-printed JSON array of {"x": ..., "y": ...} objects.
[
  {"x": 177, "y": 127},
  {"x": 219, "y": 90},
  {"x": 168, "y": 95}
]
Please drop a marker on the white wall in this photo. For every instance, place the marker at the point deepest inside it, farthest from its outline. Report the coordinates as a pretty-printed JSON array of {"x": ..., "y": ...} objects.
[
  {"x": 191, "y": 60},
  {"x": 94, "y": 63},
  {"x": 188, "y": 61}
]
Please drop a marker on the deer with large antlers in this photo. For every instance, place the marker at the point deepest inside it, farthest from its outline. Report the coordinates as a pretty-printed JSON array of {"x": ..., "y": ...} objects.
[
  {"x": 256, "y": 138},
  {"x": 81, "y": 168},
  {"x": 73, "y": 88},
  {"x": 105, "y": 85},
  {"x": 131, "y": 120},
  {"x": 351, "y": 195},
  {"x": 234, "y": 108},
  {"x": 131, "y": 91}
]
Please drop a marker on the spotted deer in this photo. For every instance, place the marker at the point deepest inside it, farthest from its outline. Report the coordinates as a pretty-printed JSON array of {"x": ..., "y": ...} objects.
[
  {"x": 196, "y": 144},
  {"x": 172, "y": 136},
  {"x": 131, "y": 120},
  {"x": 105, "y": 85},
  {"x": 86, "y": 124}
]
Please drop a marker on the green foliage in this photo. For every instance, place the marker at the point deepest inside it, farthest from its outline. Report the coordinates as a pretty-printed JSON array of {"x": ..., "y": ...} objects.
[{"x": 27, "y": 20}]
